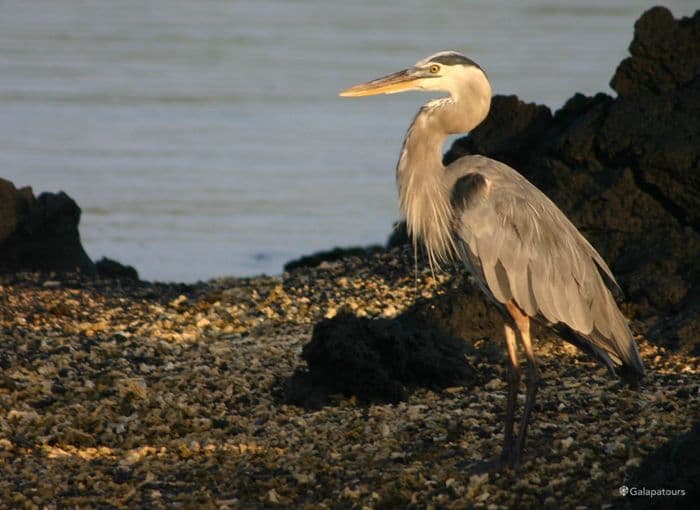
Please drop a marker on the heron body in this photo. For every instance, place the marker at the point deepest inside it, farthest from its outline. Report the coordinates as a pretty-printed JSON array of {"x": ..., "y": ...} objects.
[{"x": 522, "y": 250}]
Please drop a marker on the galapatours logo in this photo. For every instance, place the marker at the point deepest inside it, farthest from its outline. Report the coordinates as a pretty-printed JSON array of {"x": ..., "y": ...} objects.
[{"x": 643, "y": 491}]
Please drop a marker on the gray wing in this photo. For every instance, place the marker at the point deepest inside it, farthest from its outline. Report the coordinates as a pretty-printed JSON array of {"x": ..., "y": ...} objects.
[{"x": 521, "y": 247}]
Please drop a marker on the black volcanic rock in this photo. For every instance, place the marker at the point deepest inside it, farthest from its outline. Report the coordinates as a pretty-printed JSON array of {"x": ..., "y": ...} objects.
[
  {"x": 108, "y": 268},
  {"x": 399, "y": 235},
  {"x": 664, "y": 55},
  {"x": 40, "y": 234},
  {"x": 626, "y": 170},
  {"x": 462, "y": 312},
  {"x": 513, "y": 131},
  {"x": 332, "y": 255},
  {"x": 674, "y": 467},
  {"x": 377, "y": 360}
]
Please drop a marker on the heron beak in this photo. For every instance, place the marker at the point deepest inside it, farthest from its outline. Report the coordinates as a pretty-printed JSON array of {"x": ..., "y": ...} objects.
[{"x": 391, "y": 84}]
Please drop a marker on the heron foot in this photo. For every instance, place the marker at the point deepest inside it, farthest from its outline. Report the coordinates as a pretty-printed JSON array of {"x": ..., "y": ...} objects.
[
  {"x": 507, "y": 460},
  {"x": 487, "y": 466},
  {"x": 512, "y": 458}
]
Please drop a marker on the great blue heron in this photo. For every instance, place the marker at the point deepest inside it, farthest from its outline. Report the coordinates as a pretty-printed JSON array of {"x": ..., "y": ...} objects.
[{"x": 524, "y": 253}]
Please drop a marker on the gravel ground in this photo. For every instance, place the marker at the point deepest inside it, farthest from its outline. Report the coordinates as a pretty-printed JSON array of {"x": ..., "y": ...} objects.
[{"x": 123, "y": 395}]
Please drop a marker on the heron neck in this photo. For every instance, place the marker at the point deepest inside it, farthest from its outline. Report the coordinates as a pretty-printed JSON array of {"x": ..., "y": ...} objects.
[
  {"x": 423, "y": 194},
  {"x": 424, "y": 185},
  {"x": 421, "y": 156}
]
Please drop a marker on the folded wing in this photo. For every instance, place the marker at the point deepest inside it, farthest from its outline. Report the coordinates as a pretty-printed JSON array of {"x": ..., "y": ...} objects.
[{"x": 521, "y": 247}]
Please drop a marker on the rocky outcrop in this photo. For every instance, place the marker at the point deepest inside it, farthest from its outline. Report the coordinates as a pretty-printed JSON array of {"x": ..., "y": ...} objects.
[
  {"x": 626, "y": 170},
  {"x": 664, "y": 55},
  {"x": 377, "y": 360},
  {"x": 40, "y": 234},
  {"x": 332, "y": 255},
  {"x": 111, "y": 269}
]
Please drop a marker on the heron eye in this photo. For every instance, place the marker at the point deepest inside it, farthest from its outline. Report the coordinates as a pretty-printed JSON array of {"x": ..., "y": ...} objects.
[{"x": 434, "y": 68}]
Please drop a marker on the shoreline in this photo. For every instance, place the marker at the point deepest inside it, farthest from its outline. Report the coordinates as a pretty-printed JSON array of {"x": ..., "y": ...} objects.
[{"x": 126, "y": 394}]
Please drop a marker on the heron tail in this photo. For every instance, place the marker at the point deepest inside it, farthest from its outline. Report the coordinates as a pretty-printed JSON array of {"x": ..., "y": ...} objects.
[
  {"x": 631, "y": 368},
  {"x": 620, "y": 355}
]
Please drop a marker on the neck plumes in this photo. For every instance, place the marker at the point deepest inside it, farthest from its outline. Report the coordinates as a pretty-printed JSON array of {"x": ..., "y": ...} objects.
[{"x": 424, "y": 186}]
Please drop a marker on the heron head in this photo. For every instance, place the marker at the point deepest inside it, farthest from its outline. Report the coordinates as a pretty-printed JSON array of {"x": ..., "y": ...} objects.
[{"x": 447, "y": 71}]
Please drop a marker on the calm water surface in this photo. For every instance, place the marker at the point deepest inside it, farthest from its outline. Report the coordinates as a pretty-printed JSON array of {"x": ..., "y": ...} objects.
[{"x": 206, "y": 138}]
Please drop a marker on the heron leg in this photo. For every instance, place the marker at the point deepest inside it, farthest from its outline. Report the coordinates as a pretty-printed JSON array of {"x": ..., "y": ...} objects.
[
  {"x": 513, "y": 378},
  {"x": 532, "y": 378}
]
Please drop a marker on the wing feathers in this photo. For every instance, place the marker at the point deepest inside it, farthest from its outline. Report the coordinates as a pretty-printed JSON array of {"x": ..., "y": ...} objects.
[{"x": 522, "y": 247}]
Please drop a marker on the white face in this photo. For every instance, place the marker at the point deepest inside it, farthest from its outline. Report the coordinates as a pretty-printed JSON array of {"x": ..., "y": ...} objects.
[{"x": 447, "y": 78}]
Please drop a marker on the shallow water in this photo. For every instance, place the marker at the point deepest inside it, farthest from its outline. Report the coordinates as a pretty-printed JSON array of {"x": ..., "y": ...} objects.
[{"x": 206, "y": 138}]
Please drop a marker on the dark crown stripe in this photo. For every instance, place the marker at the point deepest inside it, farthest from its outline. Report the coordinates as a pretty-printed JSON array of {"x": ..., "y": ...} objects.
[{"x": 453, "y": 59}]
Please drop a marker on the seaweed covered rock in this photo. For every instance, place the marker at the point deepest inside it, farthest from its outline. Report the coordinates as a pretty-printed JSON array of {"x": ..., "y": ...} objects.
[{"x": 40, "y": 234}]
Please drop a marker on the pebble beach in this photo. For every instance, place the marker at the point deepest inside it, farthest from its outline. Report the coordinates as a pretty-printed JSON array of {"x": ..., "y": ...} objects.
[{"x": 118, "y": 394}]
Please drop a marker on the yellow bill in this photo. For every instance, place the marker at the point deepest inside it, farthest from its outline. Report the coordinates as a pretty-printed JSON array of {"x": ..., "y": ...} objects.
[{"x": 391, "y": 84}]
